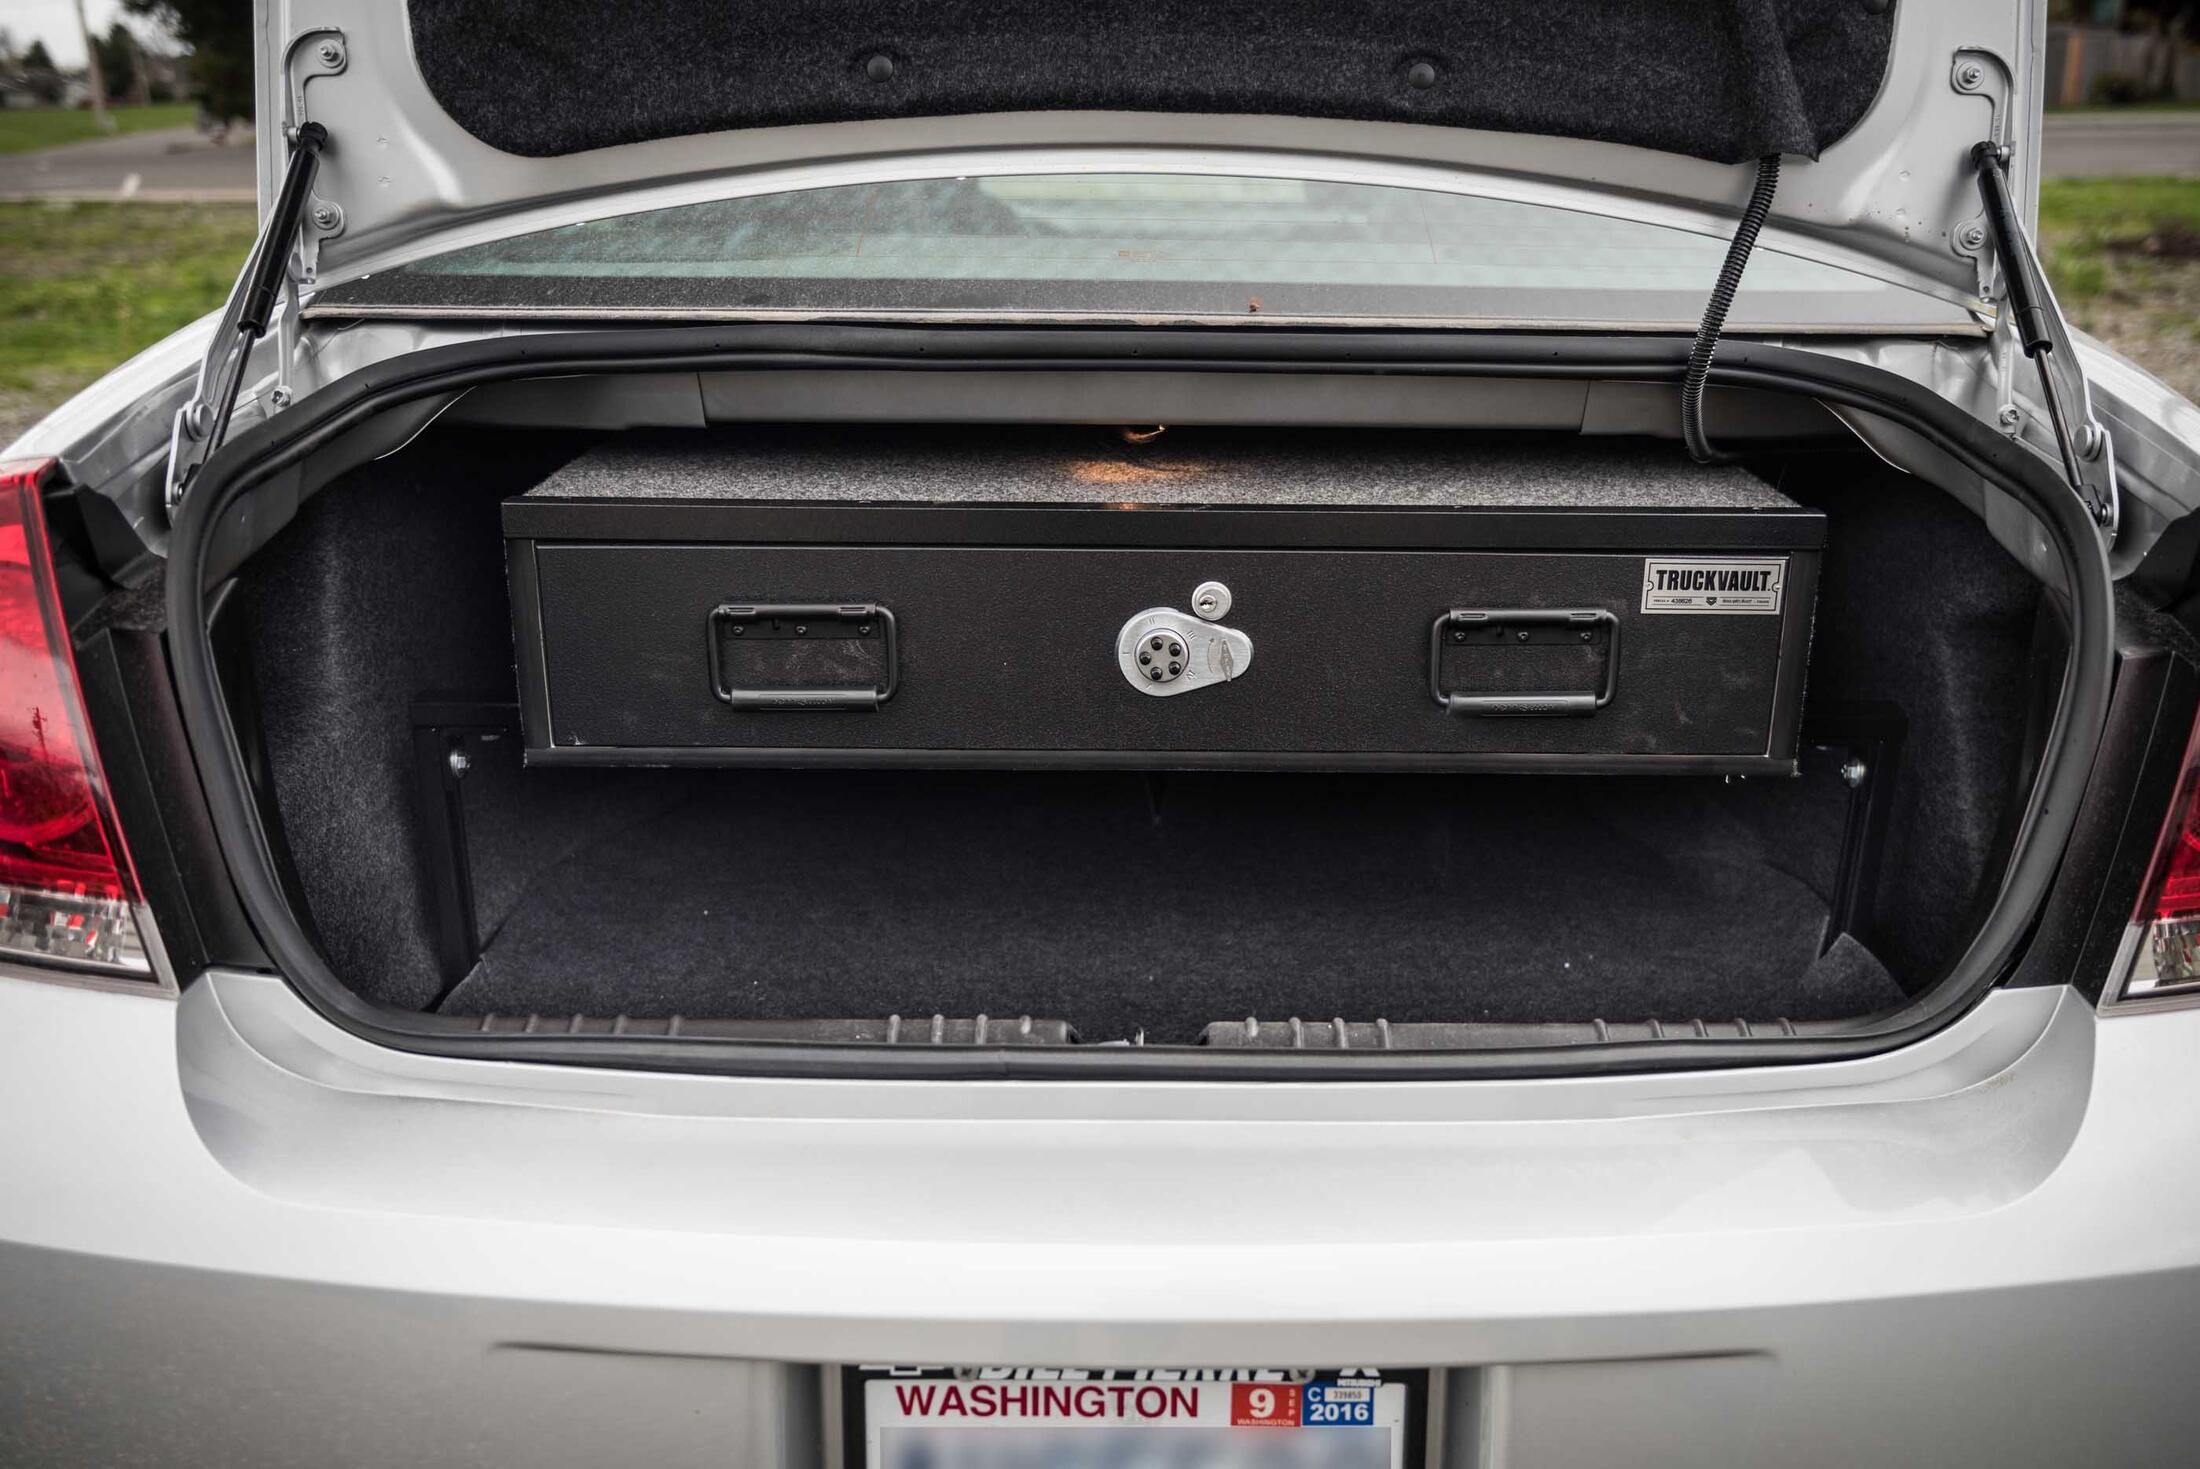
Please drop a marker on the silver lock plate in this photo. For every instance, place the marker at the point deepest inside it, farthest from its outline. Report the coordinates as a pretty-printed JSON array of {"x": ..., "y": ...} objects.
[{"x": 1164, "y": 652}]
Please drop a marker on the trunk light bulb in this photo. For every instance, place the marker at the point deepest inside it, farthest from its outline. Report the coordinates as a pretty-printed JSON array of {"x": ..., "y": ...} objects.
[{"x": 67, "y": 892}]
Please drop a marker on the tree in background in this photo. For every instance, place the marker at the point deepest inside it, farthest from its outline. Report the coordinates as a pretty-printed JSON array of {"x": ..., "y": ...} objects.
[
  {"x": 41, "y": 75},
  {"x": 118, "y": 64},
  {"x": 2170, "y": 23},
  {"x": 2175, "y": 15},
  {"x": 2165, "y": 15},
  {"x": 219, "y": 36},
  {"x": 2167, "y": 28}
]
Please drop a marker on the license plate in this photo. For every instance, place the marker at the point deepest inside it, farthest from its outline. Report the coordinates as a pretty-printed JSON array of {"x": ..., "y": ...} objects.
[{"x": 1027, "y": 1418}]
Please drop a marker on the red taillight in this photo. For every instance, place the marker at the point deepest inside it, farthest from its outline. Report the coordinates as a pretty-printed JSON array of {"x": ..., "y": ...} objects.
[
  {"x": 66, "y": 886},
  {"x": 2179, "y": 897}
]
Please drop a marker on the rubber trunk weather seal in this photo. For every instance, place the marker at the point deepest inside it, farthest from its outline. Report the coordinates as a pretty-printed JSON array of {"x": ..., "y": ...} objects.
[
  {"x": 1722, "y": 301},
  {"x": 222, "y": 511}
]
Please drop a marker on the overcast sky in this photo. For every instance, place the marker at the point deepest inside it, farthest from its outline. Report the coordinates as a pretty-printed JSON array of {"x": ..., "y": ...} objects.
[{"x": 54, "y": 22}]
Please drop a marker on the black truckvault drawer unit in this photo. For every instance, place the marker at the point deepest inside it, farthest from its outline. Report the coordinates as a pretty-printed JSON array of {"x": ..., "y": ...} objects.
[{"x": 1271, "y": 601}]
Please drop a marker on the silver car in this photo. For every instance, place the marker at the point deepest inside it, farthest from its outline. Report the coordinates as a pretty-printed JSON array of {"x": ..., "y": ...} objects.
[{"x": 431, "y": 1031}]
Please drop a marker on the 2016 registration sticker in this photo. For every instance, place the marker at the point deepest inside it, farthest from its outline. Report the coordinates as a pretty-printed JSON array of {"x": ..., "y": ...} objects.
[
  {"x": 1070, "y": 1418},
  {"x": 1339, "y": 1403}
]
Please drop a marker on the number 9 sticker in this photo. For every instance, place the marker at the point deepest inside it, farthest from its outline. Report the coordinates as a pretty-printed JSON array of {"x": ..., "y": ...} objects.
[{"x": 1264, "y": 1405}]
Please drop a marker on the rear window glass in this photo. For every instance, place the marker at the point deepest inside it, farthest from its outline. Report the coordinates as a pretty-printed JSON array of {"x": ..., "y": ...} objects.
[{"x": 1141, "y": 247}]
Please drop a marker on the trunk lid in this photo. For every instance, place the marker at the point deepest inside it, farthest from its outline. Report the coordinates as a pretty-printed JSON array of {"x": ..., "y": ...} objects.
[{"x": 449, "y": 112}]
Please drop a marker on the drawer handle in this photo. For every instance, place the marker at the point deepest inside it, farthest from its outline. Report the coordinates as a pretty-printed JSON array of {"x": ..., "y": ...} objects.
[
  {"x": 1586, "y": 621},
  {"x": 836, "y": 617}
]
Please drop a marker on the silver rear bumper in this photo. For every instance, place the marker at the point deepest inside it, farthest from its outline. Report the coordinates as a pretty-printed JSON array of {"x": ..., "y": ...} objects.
[{"x": 233, "y": 1233}]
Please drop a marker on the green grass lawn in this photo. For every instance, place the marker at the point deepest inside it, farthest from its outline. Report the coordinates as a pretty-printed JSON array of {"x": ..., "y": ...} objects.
[
  {"x": 2124, "y": 256},
  {"x": 25, "y": 128},
  {"x": 83, "y": 286}
]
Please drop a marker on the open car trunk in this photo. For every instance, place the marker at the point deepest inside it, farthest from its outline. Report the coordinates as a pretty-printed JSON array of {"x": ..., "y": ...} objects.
[
  {"x": 369, "y": 662},
  {"x": 486, "y": 753}
]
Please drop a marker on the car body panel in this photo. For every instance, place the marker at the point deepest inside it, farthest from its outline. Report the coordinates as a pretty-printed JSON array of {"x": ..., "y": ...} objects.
[
  {"x": 370, "y": 1257},
  {"x": 233, "y": 1232}
]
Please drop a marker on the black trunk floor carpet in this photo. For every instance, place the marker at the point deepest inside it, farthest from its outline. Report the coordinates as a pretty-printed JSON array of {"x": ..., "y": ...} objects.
[{"x": 1128, "y": 903}]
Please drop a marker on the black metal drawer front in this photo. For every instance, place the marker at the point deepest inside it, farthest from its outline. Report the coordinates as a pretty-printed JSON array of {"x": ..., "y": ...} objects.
[{"x": 1006, "y": 655}]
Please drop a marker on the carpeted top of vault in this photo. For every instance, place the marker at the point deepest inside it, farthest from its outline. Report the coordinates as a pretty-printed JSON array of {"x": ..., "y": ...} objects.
[{"x": 1719, "y": 79}]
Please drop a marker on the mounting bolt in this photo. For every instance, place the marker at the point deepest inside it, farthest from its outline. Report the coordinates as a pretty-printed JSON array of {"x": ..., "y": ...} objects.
[
  {"x": 879, "y": 67},
  {"x": 1421, "y": 75},
  {"x": 2010, "y": 417},
  {"x": 458, "y": 762},
  {"x": 1853, "y": 772},
  {"x": 330, "y": 53},
  {"x": 327, "y": 216},
  {"x": 1973, "y": 236},
  {"x": 1969, "y": 75}
]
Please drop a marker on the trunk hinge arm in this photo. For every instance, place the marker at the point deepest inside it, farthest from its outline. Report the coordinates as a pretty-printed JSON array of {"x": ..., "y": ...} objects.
[
  {"x": 201, "y": 422},
  {"x": 2088, "y": 457},
  {"x": 310, "y": 54},
  {"x": 284, "y": 256}
]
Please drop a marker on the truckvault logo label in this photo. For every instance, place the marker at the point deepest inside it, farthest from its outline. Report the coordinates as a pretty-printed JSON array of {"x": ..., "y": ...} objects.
[{"x": 1713, "y": 584}]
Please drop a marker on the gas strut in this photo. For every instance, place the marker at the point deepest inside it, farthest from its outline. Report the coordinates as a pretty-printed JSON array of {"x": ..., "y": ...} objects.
[
  {"x": 2089, "y": 460},
  {"x": 202, "y": 421}
]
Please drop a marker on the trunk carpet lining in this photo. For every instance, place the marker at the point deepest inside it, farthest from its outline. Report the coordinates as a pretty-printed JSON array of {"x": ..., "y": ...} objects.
[
  {"x": 1726, "y": 82},
  {"x": 392, "y": 584},
  {"x": 1127, "y": 903}
]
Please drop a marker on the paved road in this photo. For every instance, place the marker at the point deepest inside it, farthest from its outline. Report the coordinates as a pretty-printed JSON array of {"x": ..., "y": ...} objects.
[
  {"x": 166, "y": 163},
  {"x": 178, "y": 163},
  {"x": 2105, "y": 144}
]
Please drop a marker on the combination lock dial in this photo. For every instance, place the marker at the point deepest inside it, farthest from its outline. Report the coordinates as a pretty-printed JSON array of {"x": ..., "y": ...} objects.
[
  {"x": 1163, "y": 651},
  {"x": 1161, "y": 655}
]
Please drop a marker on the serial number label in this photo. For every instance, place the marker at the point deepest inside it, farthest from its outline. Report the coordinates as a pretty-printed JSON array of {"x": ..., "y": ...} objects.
[{"x": 1714, "y": 584}]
